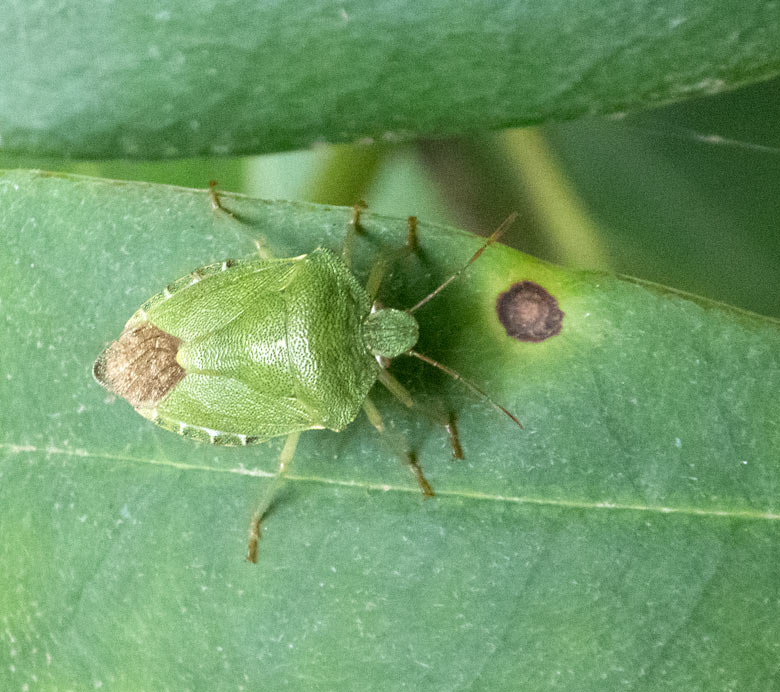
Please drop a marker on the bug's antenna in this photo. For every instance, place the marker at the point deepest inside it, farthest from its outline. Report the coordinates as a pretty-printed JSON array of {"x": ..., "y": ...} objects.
[
  {"x": 457, "y": 376},
  {"x": 492, "y": 239}
]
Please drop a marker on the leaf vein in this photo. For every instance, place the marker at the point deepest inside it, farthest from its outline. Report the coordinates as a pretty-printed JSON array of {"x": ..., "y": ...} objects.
[{"x": 578, "y": 504}]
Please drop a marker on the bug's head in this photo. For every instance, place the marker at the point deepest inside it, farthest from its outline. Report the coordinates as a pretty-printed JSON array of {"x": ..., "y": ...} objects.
[{"x": 389, "y": 333}]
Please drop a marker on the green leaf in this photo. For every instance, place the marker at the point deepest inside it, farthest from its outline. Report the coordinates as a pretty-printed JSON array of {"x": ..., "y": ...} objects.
[
  {"x": 138, "y": 80},
  {"x": 627, "y": 538}
]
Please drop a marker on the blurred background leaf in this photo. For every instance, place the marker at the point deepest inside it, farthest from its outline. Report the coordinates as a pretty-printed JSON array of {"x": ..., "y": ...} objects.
[
  {"x": 144, "y": 80},
  {"x": 686, "y": 195}
]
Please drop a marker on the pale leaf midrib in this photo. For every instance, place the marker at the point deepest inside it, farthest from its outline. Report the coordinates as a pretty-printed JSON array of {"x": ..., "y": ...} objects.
[{"x": 748, "y": 514}]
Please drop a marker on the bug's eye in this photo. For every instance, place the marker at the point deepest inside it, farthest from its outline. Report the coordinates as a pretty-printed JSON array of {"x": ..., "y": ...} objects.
[{"x": 389, "y": 333}]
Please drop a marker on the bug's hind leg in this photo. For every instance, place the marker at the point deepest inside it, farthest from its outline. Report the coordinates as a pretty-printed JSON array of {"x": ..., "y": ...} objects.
[
  {"x": 285, "y": 458},
  {"x": 408, "y": 456},
  {"x": 216, "y": 204},
  {"x": 218, "y": 208}
]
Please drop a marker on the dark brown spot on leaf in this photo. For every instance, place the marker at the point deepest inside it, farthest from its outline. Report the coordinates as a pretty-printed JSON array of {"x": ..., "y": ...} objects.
[
  {"x": 528, "y": 312},
  {"x": 141, "y": 365}
]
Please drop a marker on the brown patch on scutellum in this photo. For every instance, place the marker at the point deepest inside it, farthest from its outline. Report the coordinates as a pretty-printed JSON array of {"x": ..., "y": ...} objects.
[
  {"x": 141, "y": 365},
  {"x": 528, "y": 312}
]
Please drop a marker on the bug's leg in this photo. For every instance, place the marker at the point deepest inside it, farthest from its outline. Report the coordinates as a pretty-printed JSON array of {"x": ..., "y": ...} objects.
[
  {"x": 262, "y": 250},
  {"x": 386, "y": 259},
  {"x": 218, "y": 208},
  {"x": 408, "y": 457},
  {"x": 270, "y": 492},
  {"x": 353, "y": 229},
  {"x": 395, "y": 388},
  {"x": 216, "y": 204},
  {"x": 451, "y": 426},
  {"x": 448, "y": 420}
]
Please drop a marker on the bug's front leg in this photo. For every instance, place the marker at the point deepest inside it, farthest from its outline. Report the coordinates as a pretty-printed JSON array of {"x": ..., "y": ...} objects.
[
  {"x": 353, "y": 229},
  {"x": 448, "y": 420},
  {"x": 387, "y": 258},
  {"x": 285, "y": 458}
]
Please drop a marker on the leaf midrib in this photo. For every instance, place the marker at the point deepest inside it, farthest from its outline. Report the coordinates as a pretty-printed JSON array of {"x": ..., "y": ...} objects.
[{"x": 747, "y": 514}]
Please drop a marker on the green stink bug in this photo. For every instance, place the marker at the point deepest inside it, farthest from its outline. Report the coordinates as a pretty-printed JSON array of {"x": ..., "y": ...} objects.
[{"x": 242, "y": 351}]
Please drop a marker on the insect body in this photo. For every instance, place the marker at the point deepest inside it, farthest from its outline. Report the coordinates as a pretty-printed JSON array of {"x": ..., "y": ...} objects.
[{"x": 242, "y": 351}]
